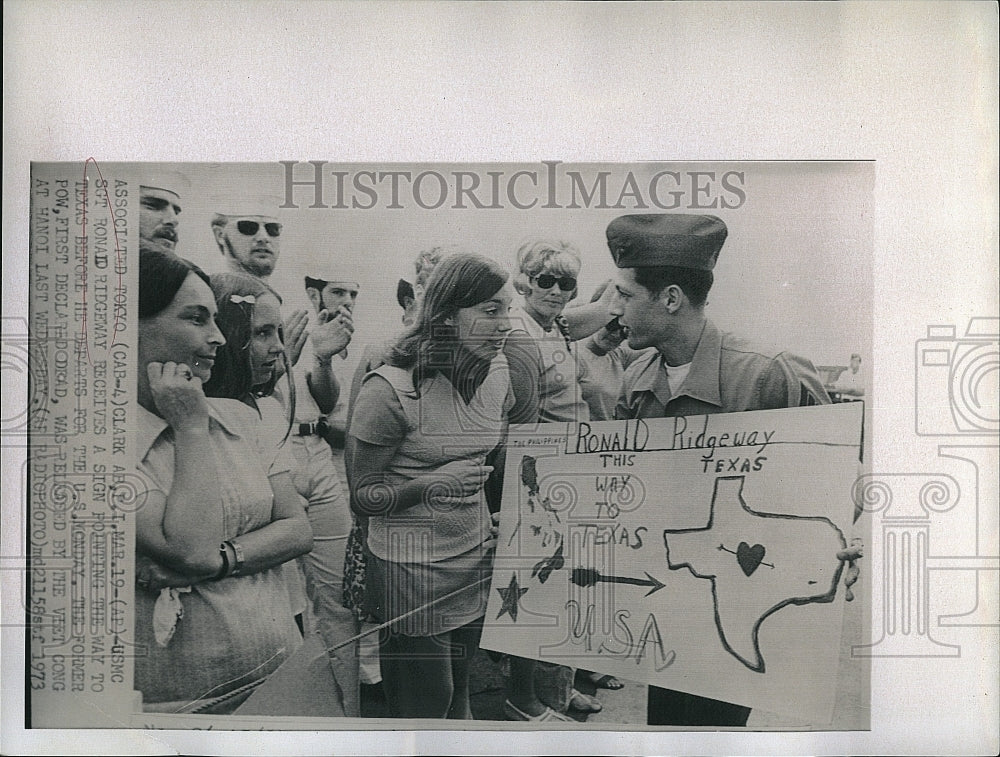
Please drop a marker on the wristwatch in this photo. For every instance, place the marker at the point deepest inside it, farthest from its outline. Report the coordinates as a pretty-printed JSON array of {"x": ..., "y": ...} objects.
[
  {"x": 224, "y": 570},
  {"x": 237, "y": 566}
]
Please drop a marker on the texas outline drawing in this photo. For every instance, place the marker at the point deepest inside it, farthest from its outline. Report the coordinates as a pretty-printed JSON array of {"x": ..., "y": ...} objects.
[{"x": 797, "y": 563}]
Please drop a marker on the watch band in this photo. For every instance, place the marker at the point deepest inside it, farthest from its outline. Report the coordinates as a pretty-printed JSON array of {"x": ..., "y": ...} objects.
[
  {"x": 237, "y": 566},
  {"x": 224, "y": 551}
]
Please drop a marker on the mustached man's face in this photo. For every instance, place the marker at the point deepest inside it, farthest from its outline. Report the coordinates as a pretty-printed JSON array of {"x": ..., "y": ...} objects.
[
  {"x": 252, "y": 243},
  {"x": 339, "y": 294},
  {"x": 159, "y": 211}
]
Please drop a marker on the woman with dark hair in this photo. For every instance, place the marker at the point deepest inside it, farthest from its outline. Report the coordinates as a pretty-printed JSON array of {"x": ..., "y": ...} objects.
[
  {"x": 421, "y": 430},
  {"x": 247, "y": 368},
  {"x": 249, "y": 364},
  {"x": 219, "y": 512}
]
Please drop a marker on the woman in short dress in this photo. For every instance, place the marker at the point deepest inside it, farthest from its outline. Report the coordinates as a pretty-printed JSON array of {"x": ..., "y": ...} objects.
[{"x": 421, "y": 429}]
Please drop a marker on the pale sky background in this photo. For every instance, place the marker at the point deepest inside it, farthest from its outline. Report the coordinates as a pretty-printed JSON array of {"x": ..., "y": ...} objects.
[
  {"x": 912, "y": 86},
  {"x": 795, "y": 271}
]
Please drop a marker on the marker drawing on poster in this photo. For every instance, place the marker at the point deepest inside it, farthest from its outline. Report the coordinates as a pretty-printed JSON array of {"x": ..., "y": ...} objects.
[
  {"x": 698, "y": 553},
  {"x": 694, "y": 553}
]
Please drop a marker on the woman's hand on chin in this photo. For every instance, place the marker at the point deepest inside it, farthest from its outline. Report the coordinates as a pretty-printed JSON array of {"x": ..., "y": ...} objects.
[{"x": 178, "y": 396}]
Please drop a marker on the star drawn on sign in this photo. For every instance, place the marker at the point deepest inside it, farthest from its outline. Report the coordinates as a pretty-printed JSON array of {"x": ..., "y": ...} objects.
[{"x": 510, "y": 596}]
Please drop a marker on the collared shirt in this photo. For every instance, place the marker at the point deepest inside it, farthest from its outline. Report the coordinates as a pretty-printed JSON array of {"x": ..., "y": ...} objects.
[
  {"x": 560, "y": 398},
  {"x": 229, "y": 418},
  {"x": 728, "y": 374},
  {"x": 238, "y": 629}
]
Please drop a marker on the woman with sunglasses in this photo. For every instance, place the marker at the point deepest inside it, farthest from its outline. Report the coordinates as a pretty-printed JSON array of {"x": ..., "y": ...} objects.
[
  {"x": 219, "y": 516},
  {"x": 546, "y": 279},
  {"x": 543, "y": 365}
]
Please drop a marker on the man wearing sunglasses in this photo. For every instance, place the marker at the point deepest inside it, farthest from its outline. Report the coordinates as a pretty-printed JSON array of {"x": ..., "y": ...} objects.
[{"x": 248, "y": 233}]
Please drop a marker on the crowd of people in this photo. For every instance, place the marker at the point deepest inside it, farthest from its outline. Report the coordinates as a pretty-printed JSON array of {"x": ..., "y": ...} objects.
[{"x": 268, "y": 525}]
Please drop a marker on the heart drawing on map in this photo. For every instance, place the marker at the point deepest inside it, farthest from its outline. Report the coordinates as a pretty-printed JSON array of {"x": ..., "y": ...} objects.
[{"x": 749, "y": 557}]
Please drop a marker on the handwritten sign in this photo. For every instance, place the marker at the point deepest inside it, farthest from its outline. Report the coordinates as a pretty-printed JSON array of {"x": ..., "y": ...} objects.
[{"x": 696, "y": 554}]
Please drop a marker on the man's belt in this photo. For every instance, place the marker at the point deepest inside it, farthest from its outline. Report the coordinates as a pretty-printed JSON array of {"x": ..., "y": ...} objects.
[{"x": 317, "y": 427}]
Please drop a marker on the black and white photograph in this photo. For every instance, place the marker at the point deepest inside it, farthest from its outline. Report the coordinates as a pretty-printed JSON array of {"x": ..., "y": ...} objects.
[
  {"x": 535, "y": 378},
  {"x": 319, "y": 454}
]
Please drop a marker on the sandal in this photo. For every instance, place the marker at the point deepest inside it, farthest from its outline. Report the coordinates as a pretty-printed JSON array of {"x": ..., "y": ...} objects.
[
  {"x": 605, "y": 682},
  {"x": 513, "y": 713},
  {"x": 584, "y": 702}
]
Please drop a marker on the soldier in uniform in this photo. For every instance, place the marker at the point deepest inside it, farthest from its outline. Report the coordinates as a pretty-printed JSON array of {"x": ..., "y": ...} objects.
[
  {"x": 665, "y": 264},
  {"x": 665, "y": 272}
]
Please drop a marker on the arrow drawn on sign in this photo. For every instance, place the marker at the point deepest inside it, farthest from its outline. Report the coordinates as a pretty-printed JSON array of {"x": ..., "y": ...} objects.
[{"x": 590, "y": 576}]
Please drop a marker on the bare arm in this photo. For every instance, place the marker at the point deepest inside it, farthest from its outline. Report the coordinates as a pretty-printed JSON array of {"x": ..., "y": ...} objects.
[
  {"x": 287, "y": 536},
  {"x": 183, "y": 528},
  {"x": 374, "y": 494},
  {"x": 295, "y": 337},
  {"x": 330, "y": 338},
  {"x": 585, "y": 319},
  {"x": 323, "y": 384}
]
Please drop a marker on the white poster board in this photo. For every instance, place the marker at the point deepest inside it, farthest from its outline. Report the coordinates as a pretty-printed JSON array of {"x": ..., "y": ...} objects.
[{"x": 696, "y": 554}]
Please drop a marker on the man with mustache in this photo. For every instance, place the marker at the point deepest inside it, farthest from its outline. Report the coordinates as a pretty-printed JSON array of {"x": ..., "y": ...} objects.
[
  {"x": 160, "y": 209},
  {"x": 248, "y": 233}
]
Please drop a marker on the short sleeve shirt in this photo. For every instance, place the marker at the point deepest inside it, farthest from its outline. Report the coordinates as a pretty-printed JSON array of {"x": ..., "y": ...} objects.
[
  {"x": 429, "y": 430},
  {"x": 236, "y": 630}
]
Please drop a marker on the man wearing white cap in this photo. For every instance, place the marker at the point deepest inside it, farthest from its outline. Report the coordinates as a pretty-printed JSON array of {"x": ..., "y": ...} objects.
[
  {"x": 333, "y": 307},
  {"x": 317, "y": 476},
  {"x": 248, "y": 233},
  {"x": 160, "y": 209}
]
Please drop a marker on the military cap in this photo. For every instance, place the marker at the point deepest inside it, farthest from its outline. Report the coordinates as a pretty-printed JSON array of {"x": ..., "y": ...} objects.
[
  {"x": 675, "y": 239},
  {"x": 165, "y": 179},
  {"x": 314, "y": 282},
  {"x": 242, "y": 203}
]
